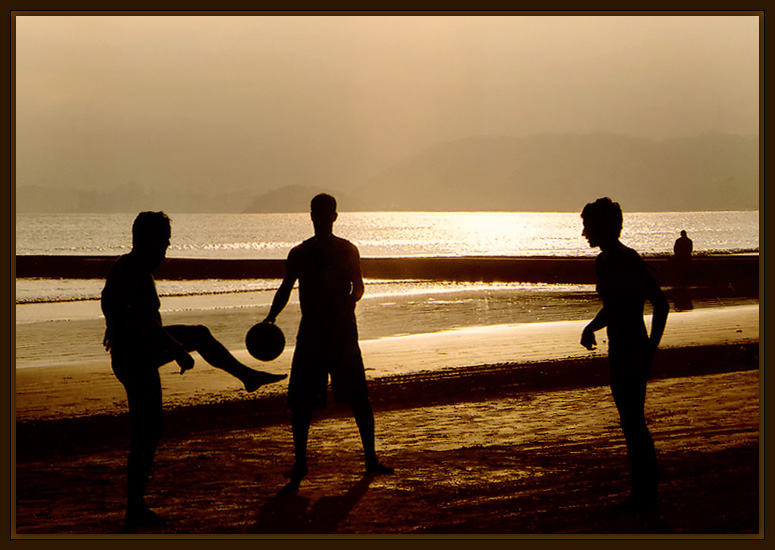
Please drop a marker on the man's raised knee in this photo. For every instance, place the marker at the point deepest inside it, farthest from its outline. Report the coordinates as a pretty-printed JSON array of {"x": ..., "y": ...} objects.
[{"x": 201, "y": 332}]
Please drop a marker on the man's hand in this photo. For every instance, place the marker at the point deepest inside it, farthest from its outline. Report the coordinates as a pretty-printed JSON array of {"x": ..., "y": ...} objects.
[
  {"x": 588, "y": 338},
  {"x": 185, "y": 361}
]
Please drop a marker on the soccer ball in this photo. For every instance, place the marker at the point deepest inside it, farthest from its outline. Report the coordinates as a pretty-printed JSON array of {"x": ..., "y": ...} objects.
[{"x": 265, "y": 341}]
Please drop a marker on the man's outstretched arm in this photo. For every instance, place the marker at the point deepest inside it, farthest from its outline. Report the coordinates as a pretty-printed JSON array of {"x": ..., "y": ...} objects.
[{"x": 281, "y": 298}]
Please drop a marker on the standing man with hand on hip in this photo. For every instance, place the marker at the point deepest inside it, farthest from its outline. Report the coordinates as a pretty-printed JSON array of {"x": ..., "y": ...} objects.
[
  {"x": 624, "y": 283},
  {"x": 330, "y": 284}
]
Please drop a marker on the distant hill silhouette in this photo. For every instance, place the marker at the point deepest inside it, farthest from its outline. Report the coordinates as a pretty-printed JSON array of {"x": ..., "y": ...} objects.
[
  {"x": 562, "y": 172},
  {"x": 542, "y": 173},
  {"x": 292, "y": 198},
  {"x": 131, "y": 197}
]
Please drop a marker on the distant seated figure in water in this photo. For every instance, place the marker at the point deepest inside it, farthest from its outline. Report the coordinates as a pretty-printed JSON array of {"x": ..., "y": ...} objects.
[
  {"x": 682, "y": 249},
  {"x": 624, "y": 283},
  {"x": 139, "y": 344},
  {"x": 330, "y": 284}
]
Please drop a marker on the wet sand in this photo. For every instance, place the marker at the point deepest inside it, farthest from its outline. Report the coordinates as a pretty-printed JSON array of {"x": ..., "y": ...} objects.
[
  {"x": 526, "y": 445},
  {"x": 530, "y": 463},
  {"x": 89, "y": 388}
]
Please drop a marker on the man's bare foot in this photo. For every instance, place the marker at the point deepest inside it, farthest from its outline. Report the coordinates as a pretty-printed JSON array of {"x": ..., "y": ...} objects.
[
  {"x": 296, "y": 474},
  {"x": 376, "y": 467},
  {"x": 144, "y": 517},
  {"x": 296, "y": 471},
  {"x": 259, "y": 378}
]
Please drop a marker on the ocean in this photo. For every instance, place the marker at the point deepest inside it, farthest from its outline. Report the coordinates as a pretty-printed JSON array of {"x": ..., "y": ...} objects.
[
  {"x": 377, "y": 234},
  {"x": 387, "y": 234},
  {"x": 58, "y": 321}
]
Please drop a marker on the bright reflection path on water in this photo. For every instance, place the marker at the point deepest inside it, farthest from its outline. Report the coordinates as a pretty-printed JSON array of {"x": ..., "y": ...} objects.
[{"x": 388, "y": 234}]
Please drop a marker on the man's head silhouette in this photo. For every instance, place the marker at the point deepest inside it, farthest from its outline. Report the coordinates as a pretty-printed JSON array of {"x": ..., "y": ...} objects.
[
  {"x": 602, "y": 221},
  {"x": 151, "y": 233},
  {"x": 323, "y": 213}
]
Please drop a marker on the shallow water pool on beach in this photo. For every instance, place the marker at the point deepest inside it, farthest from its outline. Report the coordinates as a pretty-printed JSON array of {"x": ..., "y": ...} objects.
[
  {"x": 389, "y": 308},
  {"x": 66, "y": 332}
]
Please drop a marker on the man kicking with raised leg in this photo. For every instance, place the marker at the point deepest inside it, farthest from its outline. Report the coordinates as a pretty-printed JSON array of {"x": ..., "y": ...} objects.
[{"x": 139, "y": 344}]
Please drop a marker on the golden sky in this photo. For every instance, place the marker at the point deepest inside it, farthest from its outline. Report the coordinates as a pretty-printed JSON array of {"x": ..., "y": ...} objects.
[{"x": 276, "y": 100}]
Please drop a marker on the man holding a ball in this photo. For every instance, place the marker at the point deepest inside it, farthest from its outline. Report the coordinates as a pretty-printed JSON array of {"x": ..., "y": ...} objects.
[{"x": 330, "y": 283}]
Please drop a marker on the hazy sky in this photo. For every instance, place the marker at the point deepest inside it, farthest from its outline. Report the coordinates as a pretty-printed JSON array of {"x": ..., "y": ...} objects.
[{"x": 224, "y": 102}]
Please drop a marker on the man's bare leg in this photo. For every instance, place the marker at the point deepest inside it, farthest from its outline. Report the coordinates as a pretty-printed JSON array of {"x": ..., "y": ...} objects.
[
  {"x": 199, "y": 338},
  {"x": 300, "y": 424},
  {"x": 364, "y": 418}
]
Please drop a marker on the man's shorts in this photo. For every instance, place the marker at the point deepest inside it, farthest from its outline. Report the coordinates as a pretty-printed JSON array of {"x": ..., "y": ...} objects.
[{"x": 319, "y": 354}]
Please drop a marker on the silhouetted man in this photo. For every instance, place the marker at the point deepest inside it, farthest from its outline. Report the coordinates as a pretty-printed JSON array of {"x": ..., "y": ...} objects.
[
  {"x": 682, "y": 272},
  {"x": 683, "y": 248},
  {"x": 624, "y": 283},
  {"x": 330, "y": 283},
  {"x": 139, "y": 344}
]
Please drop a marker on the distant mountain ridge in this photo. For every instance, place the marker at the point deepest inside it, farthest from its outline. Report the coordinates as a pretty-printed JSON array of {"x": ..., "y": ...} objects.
[
  {"x": 541, "y": 173},
  {"x": 129, "y": 197},
  {"x": 562, "y": 172}
]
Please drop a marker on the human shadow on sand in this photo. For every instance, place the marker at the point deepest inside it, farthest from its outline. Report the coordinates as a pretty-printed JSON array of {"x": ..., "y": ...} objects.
[{"x": 291, "y": 513}]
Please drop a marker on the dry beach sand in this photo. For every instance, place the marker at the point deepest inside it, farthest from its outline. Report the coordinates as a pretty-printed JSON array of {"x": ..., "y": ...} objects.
[{"x": 506, "y": 430}]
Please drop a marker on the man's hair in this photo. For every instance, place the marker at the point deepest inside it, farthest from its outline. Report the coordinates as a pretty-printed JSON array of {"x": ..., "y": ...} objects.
[
  {"x": 149, "y": 225},
  {"x": 323, "y": 204},
  {"x": 605, "y": 216}
]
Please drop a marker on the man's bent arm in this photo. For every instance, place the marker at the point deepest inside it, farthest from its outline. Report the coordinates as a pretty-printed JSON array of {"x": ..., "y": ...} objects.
[
  {"x": 588, "y": 334},
  {"x": 166, "y": 340},
  {"x": 600, "y": 320},
  {"x": 659, "y": 318},
  {"x": 358, "y": 289},
  {"x": 357, "y": 277}
]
